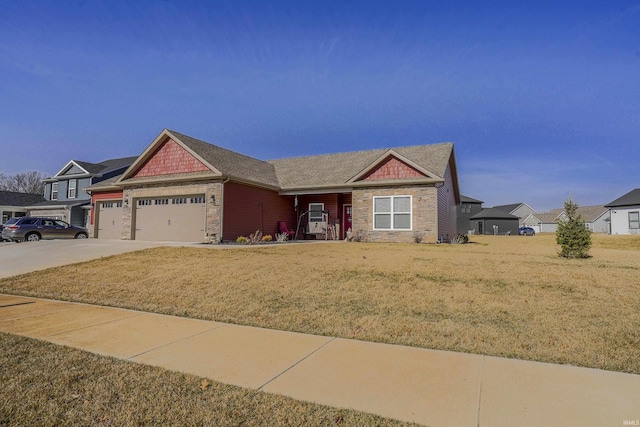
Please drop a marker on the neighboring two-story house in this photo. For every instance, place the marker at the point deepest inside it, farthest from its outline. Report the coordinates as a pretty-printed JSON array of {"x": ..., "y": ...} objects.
[
  {"x": 65, "y": 194},
  {"x": 467, "y": 208}
]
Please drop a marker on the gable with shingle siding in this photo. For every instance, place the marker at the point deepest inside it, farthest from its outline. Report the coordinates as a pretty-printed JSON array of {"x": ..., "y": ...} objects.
[{"x": 170, "y": 158}]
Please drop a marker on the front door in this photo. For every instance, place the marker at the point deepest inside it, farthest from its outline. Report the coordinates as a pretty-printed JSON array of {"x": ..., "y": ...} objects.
[{"x": 346, "y": 220}]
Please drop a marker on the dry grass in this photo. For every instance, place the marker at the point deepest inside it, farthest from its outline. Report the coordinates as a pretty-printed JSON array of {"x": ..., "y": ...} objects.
[
  {"x": 48, "y": 385},
  {"x": 506, "y": 296}
]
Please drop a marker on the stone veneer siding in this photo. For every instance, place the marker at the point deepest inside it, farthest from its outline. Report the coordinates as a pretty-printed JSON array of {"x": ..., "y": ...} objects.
[
  {"x": 424, "y": 214},
  {"x": 213, "y": 211}
]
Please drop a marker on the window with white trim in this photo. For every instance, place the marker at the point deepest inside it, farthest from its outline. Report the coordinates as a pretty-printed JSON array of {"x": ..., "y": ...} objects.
[
  {"x": 634, "y": 220},
  {"x": 392, "y": 213},
  {"x": 315, "y": 212},
  {"x": 71, "y": 189},
  {"x": 54, "y": 191}
]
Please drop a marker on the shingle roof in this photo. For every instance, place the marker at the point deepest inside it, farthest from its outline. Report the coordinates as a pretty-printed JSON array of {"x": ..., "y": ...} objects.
[
  {"x": 588, "y": 213},
  {"x": 632, "y": 198},
  {"x": 467, "y": 199},
  {"x": 230, "y": 163},
  {"x": 337, "y": 169},
  {"x": 89, "y": 167},
  {"x": 12, "y": 198},
  {"x": 60, "y": 203},
  {"x": 301, "y": 173},
  {"x": 493, "y": 213},
  {"x": 508, "y": 208},
  {"x": 112, "y": 164}
]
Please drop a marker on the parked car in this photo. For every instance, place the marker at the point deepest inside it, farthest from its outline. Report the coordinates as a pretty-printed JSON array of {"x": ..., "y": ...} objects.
[
  {"x": 33, "y": 229},
  {"x": 526, "y": 231}
]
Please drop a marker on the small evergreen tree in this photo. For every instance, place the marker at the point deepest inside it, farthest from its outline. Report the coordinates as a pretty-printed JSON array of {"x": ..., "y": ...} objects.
[{"x": 572, "y": 235}]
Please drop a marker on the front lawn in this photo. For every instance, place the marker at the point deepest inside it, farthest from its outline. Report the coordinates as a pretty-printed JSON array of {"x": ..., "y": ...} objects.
[
  {"x": 49, "y": 385},
  {"x": 508, "y": 296}
]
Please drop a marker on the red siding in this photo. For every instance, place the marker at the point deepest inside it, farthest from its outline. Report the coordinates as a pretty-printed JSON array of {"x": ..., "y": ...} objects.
[
  {"x": 108, "y": 195},
  {"x": 247, "y": 209},
  {"x": 393, "y": 169},
  {"x": 332, "y": 203},
  {"x": 170, "y": 158}
]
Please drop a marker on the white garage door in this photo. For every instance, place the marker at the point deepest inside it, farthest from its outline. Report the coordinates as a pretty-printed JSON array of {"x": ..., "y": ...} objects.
[
  {"x": 172, "y": 219},
  {"x": 109, "y": 218}
]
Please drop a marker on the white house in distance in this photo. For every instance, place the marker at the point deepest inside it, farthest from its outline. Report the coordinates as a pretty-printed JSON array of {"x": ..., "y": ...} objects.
[
  {"x": 625, "y": 213},
  {"x": 596, "y": 219}
]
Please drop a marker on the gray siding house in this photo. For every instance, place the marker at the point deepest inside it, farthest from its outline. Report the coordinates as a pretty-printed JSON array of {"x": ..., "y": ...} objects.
[
  {"x": 467, "y": 208},
  {"x": 65, "y": 195},
  {"x": 495, "y": 221},
  {"x": 520, "y": 210},
  {"x": 625, "y": 213}
]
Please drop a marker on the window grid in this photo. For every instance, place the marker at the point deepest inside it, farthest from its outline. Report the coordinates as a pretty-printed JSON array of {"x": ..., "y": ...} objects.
[
  {"x": 392, "y": 212},
  {"x": 54, "y": 191},
  {"x": 71, "y": 188},
  {"x": 634, "y": 220}
]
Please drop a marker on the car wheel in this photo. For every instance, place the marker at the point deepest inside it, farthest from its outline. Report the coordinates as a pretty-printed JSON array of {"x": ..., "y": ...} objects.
[
  {"x": 32, "y": 237},
  {"x": 81, "y": 236}
]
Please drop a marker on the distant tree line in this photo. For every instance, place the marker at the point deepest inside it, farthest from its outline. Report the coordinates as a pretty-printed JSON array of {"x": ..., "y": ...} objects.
[{"x": 23, "y": 182}]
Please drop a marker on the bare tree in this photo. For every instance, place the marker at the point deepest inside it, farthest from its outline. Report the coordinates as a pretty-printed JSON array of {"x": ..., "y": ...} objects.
[{"x": 23, "y": 182}]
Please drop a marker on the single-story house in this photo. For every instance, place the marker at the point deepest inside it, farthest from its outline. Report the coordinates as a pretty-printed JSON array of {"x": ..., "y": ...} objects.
[
  {"x": 467, "y": 208},
  {"x": 65, "y": 195},
  {"x": 184, "y": 189},
  {"x": 521, "y": 210},
  {"x": 596, "y": 219},
  {"x": 14, "y": 204},
  {"x": 625, "y": 213},
  {"x": 495, "y": 221}
]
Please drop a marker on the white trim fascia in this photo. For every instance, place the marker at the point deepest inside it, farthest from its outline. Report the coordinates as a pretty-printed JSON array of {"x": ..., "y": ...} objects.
[
  {"x": 71, "y": 162},
  {"x": 150, "y": 151},
  {"x": 383, "y": 157}
]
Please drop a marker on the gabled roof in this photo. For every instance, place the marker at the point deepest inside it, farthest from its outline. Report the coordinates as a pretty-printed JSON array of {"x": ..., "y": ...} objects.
[
  {"x": 13, "y": 198},
  {"x": 632, "y": 198},
  {"x": 466, "y": 199},
  {"x": 588, "y": 213},
  {"x": 221, "y": 162},
  {"x": 591, "y": 213},
  {"x": 96, "y": 169},
  {"x": 231, "y": 164},
  {"x": 297, "y": 173},
  {"x": 509, "y": 208},
  {"x": 343, "y": 169},
  {"x": 493, "y": 213}
]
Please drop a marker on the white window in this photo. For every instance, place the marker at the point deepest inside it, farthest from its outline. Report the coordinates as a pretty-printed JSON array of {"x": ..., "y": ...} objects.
[
  {"x": 315, "y": 212},
  {"x": 71, "y": 190},
  {"x": 634, "y": 220},
  {"x": 392, "y": 213},
  {"x": 54, "y": 191}
]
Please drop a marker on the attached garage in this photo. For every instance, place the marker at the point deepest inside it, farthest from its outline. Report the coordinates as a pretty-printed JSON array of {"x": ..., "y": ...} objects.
[
  {"x": 172, "y": 219},
  {"x": 109, "y": 219}
]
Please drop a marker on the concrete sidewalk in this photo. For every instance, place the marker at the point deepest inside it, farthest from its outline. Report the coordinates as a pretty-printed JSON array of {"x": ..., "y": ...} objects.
[{"x": 430, "y": 387}]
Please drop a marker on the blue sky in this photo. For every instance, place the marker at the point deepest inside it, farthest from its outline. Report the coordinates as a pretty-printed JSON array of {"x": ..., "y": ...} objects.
[{"x": 542, "y": 99}]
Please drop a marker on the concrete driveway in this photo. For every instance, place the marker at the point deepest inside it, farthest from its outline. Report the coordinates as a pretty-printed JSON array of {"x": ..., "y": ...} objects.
[{"x": 19, "y": 258}]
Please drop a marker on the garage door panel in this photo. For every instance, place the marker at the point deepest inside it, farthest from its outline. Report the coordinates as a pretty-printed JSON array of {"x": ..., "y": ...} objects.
[
  {"x": 109, "y": 220},
  {"x": 174, "y": 219}
]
